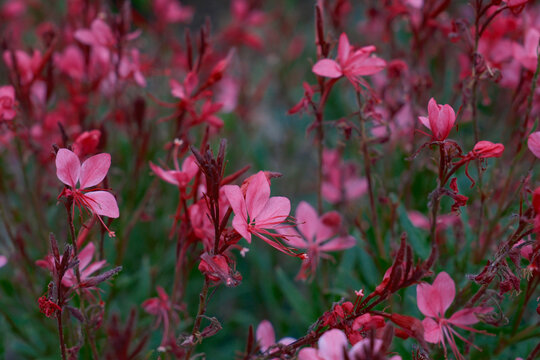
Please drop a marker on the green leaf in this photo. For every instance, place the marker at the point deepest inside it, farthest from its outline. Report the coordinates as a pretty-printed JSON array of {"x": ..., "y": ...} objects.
[{"x": 302, "y": 307}]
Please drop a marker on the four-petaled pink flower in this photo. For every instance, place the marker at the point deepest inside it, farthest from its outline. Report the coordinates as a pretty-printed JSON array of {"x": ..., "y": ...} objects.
[
  {"x": 178, "y": 177},
  {"x": 350, "y": 62},
  {"x": 255, "y": 212},
  {"x": 317, "y": 235},
  {"x": 440, "y": 120},
  {"x": 7, "y": 102},
  {"x": 433, "y": 301},
  {"x": 92, "y": 172}
]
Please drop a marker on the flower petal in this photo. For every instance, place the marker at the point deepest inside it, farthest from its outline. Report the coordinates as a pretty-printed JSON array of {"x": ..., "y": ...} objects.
[
  {"x": 275, "y": 212},
  {"x": 344, "y": 48},
  {"x": 332, "y": 345},
  {"x": 534, "y": 143},
  {"x": 327, "y": 68},
  {"x": 94, "y": 170},
  {"x": 425, "y": 301},
  {"x": 338, "y": 244},
  {"x": 103, "y": 203},
  {"x": 432, "y": 331},
  {"x": 165, "y": 175},
  {"x": 265, "y": 335},
  {"x": 467, "y": 316},
  {"x": 257, "y": 194},
  {"x": 446, "y": 288},
  {"x": 68, "y": 167},
  {"x": 307, "y": 220}
]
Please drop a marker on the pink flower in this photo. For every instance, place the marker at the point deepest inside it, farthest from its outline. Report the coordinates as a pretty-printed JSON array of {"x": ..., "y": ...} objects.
[
  {"x": 171, "y": 11},
  {"x": 527, "y": 54},
  {"x": 316, "y": 234},
  {"x": 333, "y": 346},
  {"x": 255, "y": 212},
  {"x": 27, "y": 65},
  {"x": 486, "y": 149},
  {"x": 266, "y": 337},
  {"x": 350, "y": 63},
  {"x": 7, "y": 102},
  {"x": 440, "y": 120},
  {"x": 99, "y": 34},
  {"x": 160, "y": 307},
  {"x": 340, "y": 181},
  {"x": 178, "y": 177},
  {"x": 534, "y": 143},
  {"x": 71, "y": 62},
  {"x": 92, "y": 172},
  {"x": 433, "y": 301},
  {"x": 86, "y": 268}
]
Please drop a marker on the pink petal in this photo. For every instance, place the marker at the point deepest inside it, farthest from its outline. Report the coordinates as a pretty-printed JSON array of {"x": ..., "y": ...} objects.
[
  {"x": 368, "y": 66},
  {"x": 237, "y": 201},
  {"x": 68, "y": 167},
  {"x": 428, "y": 304},
  {"x": 103, "y": 203},
  {"x": 241, "y": 226},
  {"x": 531, "y": 41},
  {"x": 344, "y": 48},
  {"x": 85, "y": 255},
  {"x": 447, "y": 118},
  {"x": 165, "y": 175},
  {"x": 92, "y": 268},
  {"x": 294, "y": 238},
  {"x": 94, "y": 170},
  {"x": 327, "y": 68},
  {"x": 332, "y": 345},
  {"x": 425, "y": 121},
  {"x": 534, "y": 143},
  {"x": 432, "y": 331},
  {"x": 265, "y": 335},
  {"x": 309, "y": 354},
  {"x": 330, "y": 193},
  {"x": 85, "y": 36},
  {"x": 307, "y": 220},
  {"x": 446, "y": 287},
  {"x": 257, "y": 194},
  {"x": 467, "y": 316},
  {"x": 329, "y": 225},
  {"x": 275, "y": 212},
  {"x": 338, "y": 244},
  {"x": 190, "y": 167},
  {"x": 355, "y": 187}
]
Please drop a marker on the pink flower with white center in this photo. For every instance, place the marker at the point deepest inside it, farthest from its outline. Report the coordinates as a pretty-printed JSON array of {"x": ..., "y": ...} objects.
[
  {"x": 7, "y": 102},
  {"x": 255, "y": 212},
  {"x": 350, "y": 62},
  {"x": 440, "y": 120},
  {"x": 92, "y": 172},
  {"x": 266, "y": 337},
  {"x": 86, "y": 268},
  {"x": 318, "y": 235},
  {"x": 433, "y": 301}
]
